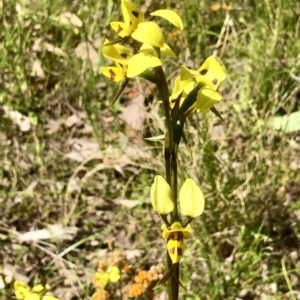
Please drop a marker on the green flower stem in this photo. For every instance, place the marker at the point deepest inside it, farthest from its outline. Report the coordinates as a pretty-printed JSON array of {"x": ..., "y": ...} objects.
[
  {"x": 163, "y": 89},
  {"x": 171, "y": 168},
  {"x": 175, "y": 283},
  {"x": 174, "y": 280},
  {"x": 174, "y": 185}
]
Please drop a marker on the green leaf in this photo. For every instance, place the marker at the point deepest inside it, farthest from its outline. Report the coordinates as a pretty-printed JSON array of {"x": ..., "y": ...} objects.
[
  {"x": 170, "y": 273},
  {"x": 148, "y": 75},
  {"x": 286, "y": 123},
  {"x": 156, "y": 138},
  {"x": 122, "y": 88},
  {"x": 190, "y": 99}
]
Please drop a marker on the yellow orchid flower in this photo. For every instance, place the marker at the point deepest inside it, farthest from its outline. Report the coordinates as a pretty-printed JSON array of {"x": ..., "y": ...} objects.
[
  {"x": 175, "y": 235},
  {"x": 210, "y": 75},
  {"x": 127, "y": 64},
  {"x": 25, "y": 292},
  {"x": 134, "y": 24}
]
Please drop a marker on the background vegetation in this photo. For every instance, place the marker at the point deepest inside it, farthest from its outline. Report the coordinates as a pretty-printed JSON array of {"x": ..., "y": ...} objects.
[{"x": 71, "y": 163}]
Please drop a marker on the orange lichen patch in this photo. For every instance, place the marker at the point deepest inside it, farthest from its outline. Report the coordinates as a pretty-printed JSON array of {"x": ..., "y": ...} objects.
[
  {"x": 156, "y": 272},
  {"x": 100, "y": 295},
  {"x": 144, "y": 278},
  {"x": 216, "y": 7},
  {"x": 173, "y": 36},
  {"x": 127, "y": 268},
  {"x": 135, "y": 290}
]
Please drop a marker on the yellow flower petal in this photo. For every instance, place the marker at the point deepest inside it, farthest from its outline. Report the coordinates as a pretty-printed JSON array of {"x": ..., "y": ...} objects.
[
  {"x": 161, "y": 196},
  {"x": 40, "y": 288},
  {"x": 176, "y": 227},
  {"x": 116, "y": 52},
  {"x": 101, "y": 279},
  {"x": 49, "y": 298},
  {"x": 131, "y": 14},
  {"x": 114, "y": 73},
  {"x": 114, "y": 273},
  {"x": 140, "y": 62},
  {"x": 177, "y": 87},
  {"x": 120, "y": 28},
  {"x": 186, "y": 73},
  {"x": 21, "y": 289},
  {"x": 147, "y": 48},
  {"x": 150, "y": 33},
  {"x": 32, "y": 296},
  {"x": 166, "y": 50},
  {"x": 191, "y": 199},
  {"x": 207, "y": 98},
  {"x": 175, "y": 247},
  {"x": 170, "y": 16},
  {"x": 213, "y": 72}
]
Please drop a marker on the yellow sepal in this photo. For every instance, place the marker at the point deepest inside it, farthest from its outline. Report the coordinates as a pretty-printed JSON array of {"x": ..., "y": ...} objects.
[
  {"x": 161, "y": 196},
  {"x": 150, "y": 33},
  {"x": 191, "y": 199},
  {"x": 170, "y": 16}
]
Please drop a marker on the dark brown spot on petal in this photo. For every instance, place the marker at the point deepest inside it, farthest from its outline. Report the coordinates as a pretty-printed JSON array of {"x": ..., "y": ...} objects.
[
  {"x": 124, "y": 55},
  {"x": 172, "y": 250},
  {"x": 179, "y": 251},
  {"x": 173, "y": 101},
  {"x": 135, "y": 13},
  {"x": 112, "y": 74},
  {"x": 215, "y": 81},
  {"x": 203, "y": 72},
  {"x": 119, "y": 29},
  {"x": 130, "y": 23}
]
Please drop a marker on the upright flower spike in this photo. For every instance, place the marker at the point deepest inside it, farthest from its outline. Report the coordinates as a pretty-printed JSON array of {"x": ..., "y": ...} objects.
[
  {"x": 191, "y": 199},
  {"x": 161, "y": 196}
]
